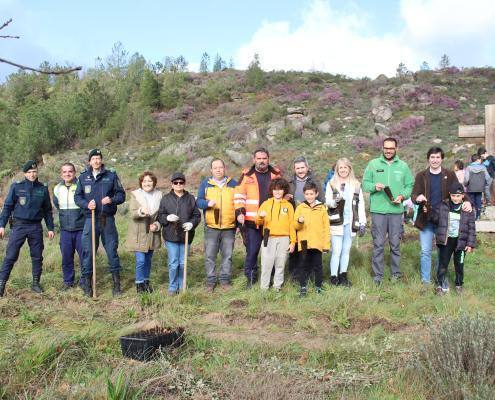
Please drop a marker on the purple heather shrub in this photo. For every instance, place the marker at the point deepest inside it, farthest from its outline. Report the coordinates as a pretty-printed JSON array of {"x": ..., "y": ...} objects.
[
  {"x": 445, "y": 101},
  {"x": 330, "y": 95},
  {"x": 451, "y": 70},
  {"x": 303, "y": 96},
  {"x": 405, "y": 127}
]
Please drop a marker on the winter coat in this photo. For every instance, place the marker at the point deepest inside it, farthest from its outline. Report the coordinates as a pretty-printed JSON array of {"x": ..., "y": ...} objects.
[
  {"x": 279, "y": 219},
  {"x": 422, "y": 186},
  {"x": 315, "y": 229},
  {"x": 396, "y": 175},
  {"x": 187, "y": 211},
  {"x": 310, "y": 177},
  {"x": 359, "y": 216},
  {"x": 476, "y": 178},
  {"x": 70, "y": 215},
  {"x": 222, "y": 215},
  {"x": 139, "y": 237},
  {"x": 467, "y": 226}
]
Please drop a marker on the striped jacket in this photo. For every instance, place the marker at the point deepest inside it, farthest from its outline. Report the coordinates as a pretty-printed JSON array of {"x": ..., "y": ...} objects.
[{"x": 71, "y": 217}]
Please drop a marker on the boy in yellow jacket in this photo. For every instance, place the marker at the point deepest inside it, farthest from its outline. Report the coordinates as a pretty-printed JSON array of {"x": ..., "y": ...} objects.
[
  {"x": 279, "y": 236},
  {"x": 313, "y": 237}
]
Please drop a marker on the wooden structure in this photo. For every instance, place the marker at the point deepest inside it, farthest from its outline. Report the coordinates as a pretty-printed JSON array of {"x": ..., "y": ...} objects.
[{"x": 486, "y": 131}]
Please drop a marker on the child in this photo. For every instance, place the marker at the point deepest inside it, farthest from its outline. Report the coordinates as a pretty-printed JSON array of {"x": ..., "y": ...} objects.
[
  {"x": 476, "y": 180},
  {"x": 279, "y": 236},
  {"x": 313, "y": 237},
  {"x": 455, "y": 234}
]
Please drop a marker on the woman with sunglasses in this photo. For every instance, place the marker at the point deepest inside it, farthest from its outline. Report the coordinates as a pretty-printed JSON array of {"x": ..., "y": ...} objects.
[
  {"x": 143, "y": 235},
  {"x": 177, "y": 214}
]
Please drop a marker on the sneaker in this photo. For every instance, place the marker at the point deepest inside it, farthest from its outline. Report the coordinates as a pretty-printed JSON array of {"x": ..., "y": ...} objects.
[
  {"x": 458, "y": 289},
  {"x": 319, "y": 290},
  {"x": 225, "y": 285},
  {"x": 395, "y": 278},
  {"x": 303, "y": 292},
  {"x": 277, "y": 290},
  {"x": 334, "y": 280},
  {"x": 439, "y": 291},
  {"x": 210, "y": 288},
  {"x": 67, "y": 286},
  {"x": 377, "y": 282}
]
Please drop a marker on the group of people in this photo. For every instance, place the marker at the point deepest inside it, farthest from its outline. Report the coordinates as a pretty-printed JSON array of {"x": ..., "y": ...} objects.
[{"x": 296, "y": 219}]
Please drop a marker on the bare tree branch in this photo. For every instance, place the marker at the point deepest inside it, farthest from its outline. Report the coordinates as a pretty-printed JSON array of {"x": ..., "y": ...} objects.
[
  {"x": 5, "y": 24},
  {"x": 9, "y": 37},
  {"x": 48, "y": 72}
]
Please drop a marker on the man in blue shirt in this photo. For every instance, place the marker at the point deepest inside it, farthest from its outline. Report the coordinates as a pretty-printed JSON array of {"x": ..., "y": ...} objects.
[
  {"x": 99, "y": 189},
  {"x": 27, "y": 203}
]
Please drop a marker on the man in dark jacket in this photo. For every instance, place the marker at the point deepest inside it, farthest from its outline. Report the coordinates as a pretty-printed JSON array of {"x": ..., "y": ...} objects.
[
  {"x": 302, "y": 175},
  {"x": 71, "y": 219},
  {"x": 431, "y": 187},
  {"x": 99, "y": 189},
  {"x": 455, "y": 234},
  {"x": 28, "y": 202},
  {"x": 177, "y": 214}
]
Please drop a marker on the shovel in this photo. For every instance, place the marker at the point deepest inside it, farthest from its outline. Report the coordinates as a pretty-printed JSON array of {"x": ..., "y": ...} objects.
[
  {"x": 93, "y": 249},
  {"x": 184, "y": 282}
]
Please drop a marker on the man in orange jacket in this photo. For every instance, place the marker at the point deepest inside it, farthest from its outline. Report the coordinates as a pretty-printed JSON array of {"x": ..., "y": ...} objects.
[{"x": 251, "y": 191}]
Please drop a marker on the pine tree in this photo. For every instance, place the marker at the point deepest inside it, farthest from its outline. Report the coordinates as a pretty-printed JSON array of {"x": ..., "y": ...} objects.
[
  {"x": 424, "y": 66},
  {"x": 218, "y": 64},
  {"x": 255, "y": 76},
  {"x": 150, "y": 90},
  {"x": 444, "y": 62},
  {"x": 205, "y": 63}
]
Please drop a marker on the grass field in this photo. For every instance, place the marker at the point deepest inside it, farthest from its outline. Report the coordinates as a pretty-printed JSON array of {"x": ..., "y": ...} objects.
[{"x": 357, "y": 343}]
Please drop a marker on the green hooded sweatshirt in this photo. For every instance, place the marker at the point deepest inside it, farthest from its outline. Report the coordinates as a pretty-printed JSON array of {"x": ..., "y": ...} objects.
[{"x": 395, "y": 175}]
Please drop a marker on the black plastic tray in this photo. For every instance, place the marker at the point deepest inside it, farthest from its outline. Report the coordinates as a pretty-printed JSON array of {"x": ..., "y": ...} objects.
[{"x": 144, "y": 345}]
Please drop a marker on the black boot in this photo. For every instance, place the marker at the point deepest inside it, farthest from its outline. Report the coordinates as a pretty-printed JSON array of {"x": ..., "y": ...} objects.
[
  {"x": 35, "y": 287},
  {"x": 334, "y": 280},
  {"x": 343, "y": 280},
  {"x": 86, "y": 285},
  {"x": 2, "y": 287},
  {"x": 116, "y": 284},
  {"x": 141, "y": 287},
  {"x": 147, "y": 286}
]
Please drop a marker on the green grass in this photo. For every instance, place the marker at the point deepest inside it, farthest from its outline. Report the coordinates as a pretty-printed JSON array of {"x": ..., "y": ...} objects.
[{"x": 356, "y": 343}]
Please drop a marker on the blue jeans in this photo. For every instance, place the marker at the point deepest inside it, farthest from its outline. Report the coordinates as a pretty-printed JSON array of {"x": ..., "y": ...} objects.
[
  {"x": 341, "y": 248},
  {"x": 175, "y": 251},
  {"x": 70, "y": 242},
  {"x": 476, "y": 198},
  {"x": 426, "y": 241},
  {"x": 143, "y": 266}
]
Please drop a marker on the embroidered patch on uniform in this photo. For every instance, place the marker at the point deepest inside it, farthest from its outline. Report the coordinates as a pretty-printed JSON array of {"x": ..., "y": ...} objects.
[
  {"x": 22, "y": 201},
  {"x": 87, "y": 189},
  {"x": 285, "y": 210}
]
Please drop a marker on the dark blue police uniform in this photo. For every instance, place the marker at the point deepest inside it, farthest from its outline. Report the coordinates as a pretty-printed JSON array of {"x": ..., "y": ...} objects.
[
  {"x": 90, "y": 188},
  {"x": 28, "y": 203}
]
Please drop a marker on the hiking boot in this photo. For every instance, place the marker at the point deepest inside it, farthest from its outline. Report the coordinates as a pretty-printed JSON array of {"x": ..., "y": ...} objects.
[
  {"x": 86, "y": 286},
  {"x": 2, "y": 287},
  {"x": 147, "y": 286},
  {"x": 395, "y": 278},
  {"x": 303, "y": 291},
  {"x": 343, "y": 280},
  {"x": 116, "y": 284},
  {"x": 36, "y": 287},
  {"x": 225, "y": 286},
  {"x": 458, "y": 289},
  {"x": 210, "y": 288},
  {"x": 334, "y": 280},
  {"x": 140, "y": 288}
]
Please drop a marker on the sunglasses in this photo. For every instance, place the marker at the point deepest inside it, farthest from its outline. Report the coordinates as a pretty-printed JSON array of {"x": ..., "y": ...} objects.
[{"x": 178, "y": 182}]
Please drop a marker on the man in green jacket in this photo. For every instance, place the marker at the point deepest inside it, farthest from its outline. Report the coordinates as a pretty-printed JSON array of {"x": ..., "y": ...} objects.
[{"x": 389, "y": 182}]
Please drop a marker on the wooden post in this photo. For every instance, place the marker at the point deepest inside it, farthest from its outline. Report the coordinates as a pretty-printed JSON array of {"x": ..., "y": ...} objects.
[{"x": 490, "y": 128}]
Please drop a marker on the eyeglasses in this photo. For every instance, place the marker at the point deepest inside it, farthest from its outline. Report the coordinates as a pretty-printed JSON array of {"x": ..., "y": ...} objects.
[{"x": 178, "y": 183}]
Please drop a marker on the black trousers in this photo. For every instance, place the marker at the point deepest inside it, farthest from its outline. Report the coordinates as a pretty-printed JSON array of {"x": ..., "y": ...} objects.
[
  {"x": 310, "y": 261},
  {"x": 294, "y": 264},
  {"x": 444, "y": 254}
]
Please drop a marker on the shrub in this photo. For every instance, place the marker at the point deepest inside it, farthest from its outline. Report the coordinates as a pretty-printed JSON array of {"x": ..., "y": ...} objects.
[{"x": 459, "y": 359}]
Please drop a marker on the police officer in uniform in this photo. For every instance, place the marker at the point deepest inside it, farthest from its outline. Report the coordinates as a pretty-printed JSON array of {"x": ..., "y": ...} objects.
[
  {"x": 28, "y": 202},
  {"x": 99, "y": 189}
]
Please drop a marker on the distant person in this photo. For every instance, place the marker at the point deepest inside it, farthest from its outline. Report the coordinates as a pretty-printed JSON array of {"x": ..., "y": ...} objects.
[
  {"x": 143, "y": 232},
  {"x": 302, "y": 175},
  {"x": 177, "y": 214},
  {"x": 251, "y": 192},
  {"x": 389, "y": 181},
  {"x": 455, "y": 235},
  {"x": 99, "y": 189},
  {"x": 27, "y": 203},
  {"x": 489, "y": 162},
  {"x": 276, "y": 215},
  {"x": 459, "y": 170},
  {"x": 216, "y": 199},
  {"x": 344, "y": 198},
  {"x": 71, "y": 218},
  {"x": 476, "y": 180},
  {"x": 313, "y": 237}
]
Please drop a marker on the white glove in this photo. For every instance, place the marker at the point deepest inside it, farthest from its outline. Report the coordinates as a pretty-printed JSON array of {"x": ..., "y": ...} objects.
[
  {"x": 187, "y": 226},
  {"x": 172, "y": 218}
]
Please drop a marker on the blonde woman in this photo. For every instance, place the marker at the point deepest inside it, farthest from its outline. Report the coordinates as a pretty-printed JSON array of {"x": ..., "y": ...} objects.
[
  {"x": 143, "y": 235},
  {"x": 344, "y": 197}
]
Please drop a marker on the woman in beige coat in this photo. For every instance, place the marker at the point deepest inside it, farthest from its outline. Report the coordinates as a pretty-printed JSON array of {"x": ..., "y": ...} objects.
[{"x": 143, "y": 235}]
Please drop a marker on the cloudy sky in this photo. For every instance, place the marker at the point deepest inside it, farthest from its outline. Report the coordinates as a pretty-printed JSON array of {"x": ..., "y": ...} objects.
[{"x": 355, "y": 38}]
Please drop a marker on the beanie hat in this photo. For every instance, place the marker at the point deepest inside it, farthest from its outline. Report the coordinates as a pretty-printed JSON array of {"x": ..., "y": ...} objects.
[{"x": 94, "y": 152}]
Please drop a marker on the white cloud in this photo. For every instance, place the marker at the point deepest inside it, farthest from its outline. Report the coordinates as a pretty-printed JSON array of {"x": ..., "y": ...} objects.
[{"x": 340, "y": 42}]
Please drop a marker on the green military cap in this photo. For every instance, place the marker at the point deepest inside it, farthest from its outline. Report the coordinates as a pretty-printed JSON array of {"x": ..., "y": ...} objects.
[
  {"x": 29, "y": 165},
  {"x": 94, "y": 152}
]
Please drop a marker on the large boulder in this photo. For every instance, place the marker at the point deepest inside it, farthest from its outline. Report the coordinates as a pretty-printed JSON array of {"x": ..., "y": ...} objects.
[
  {"x": 201, "y": 165},
  {"x": 381, "y": 129},
  {"x": 324, "y": 127},
  {"x": 274, "y": 130},
  {"x": 238, "y": 132},
  {"x": 238, "y": 158},
  {"x": 382, "y": 113},
  {"x": 296, "y": 110},
  {"x": 381, "y": 79},
  {"x": 299, "y": 121},
  {"x": 407, "y": 88}
]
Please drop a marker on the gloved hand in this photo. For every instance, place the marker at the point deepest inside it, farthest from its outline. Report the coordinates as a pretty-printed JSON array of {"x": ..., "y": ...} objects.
[
  {"x": 362, "y": 230},
  {"x": 172, "y": 218},
  {"x": 187, "y": 226}
]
